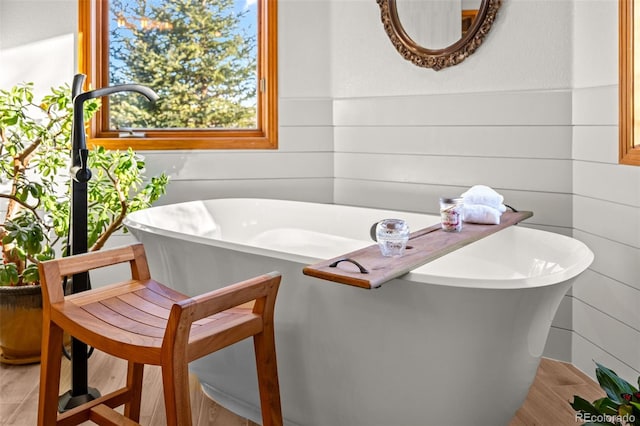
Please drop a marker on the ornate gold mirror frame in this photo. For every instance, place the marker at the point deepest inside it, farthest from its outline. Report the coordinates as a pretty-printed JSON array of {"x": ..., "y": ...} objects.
[{"x": 438, "y": 58}]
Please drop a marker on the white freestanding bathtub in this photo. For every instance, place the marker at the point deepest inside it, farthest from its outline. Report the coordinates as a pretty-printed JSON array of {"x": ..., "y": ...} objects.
[{"x": 455, "y": 342}]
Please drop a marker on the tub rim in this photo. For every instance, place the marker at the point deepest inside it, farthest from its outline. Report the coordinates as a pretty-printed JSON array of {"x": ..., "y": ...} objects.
[{"x": 584, "y": 256}]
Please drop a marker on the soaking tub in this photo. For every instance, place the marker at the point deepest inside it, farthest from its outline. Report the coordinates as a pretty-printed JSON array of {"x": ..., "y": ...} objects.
[{"x": 454, "y": 342}]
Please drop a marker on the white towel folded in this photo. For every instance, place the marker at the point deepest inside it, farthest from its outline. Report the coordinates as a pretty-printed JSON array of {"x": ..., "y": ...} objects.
[
  {"x": 485, "y": 196},
  {"x": 478, "y": 213}
]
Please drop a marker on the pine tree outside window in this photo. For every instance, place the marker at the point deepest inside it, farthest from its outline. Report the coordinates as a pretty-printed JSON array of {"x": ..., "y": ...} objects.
[{"x": 212, "y": 62}]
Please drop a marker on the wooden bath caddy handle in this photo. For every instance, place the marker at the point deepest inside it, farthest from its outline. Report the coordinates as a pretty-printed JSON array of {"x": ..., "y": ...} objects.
[
  {"x": 362, "y": 269},
  {"x": 424, "y": 246}
]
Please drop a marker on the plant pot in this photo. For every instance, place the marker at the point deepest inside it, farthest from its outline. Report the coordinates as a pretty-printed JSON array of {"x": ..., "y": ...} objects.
[{"x": 20, "y": 324}]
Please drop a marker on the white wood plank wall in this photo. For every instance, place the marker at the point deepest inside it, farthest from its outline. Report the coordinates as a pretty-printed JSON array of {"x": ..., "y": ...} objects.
[
  {"x": 300, "y": 169},
  {"x": 606, "y": 216},
  {"x": 406, "y": 151}
]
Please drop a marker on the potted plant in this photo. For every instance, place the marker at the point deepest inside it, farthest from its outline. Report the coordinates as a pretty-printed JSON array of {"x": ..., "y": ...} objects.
[
  {"x": 620, "y": 407},
  {"x": 35, "y": 143}
]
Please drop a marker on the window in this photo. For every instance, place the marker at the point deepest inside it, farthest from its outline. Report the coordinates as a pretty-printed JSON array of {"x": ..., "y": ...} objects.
[
  {"x": 629, "y": 41},
  {"x": 212, "y": 62}
]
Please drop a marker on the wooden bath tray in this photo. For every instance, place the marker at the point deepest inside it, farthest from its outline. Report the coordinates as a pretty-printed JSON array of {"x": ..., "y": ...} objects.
[{"x": 367, "y": 268}]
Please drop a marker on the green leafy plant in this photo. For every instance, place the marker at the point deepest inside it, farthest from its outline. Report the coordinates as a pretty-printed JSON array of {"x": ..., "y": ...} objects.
[
  {"x": 620, "y": 407},
  {"x": 34, "y": 182}
]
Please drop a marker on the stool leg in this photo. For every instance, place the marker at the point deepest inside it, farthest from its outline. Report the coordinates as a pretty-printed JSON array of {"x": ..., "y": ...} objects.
[
  {"x": 135, "y": 373},
  {"x": 175, "y": 381},
  {"x": 268, "y": 386},
  {"x": 50, "y": 360}
]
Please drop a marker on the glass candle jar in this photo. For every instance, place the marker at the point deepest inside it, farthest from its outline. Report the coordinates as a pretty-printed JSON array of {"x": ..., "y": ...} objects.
[
  {"x": 451, "y": 214},
  {"x": 392, "y": 236}
]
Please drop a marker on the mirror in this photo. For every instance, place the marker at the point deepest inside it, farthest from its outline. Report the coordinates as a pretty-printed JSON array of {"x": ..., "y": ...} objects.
[
  {"x": 448, "y": 20},
  {"x": 437, "y": 33}
]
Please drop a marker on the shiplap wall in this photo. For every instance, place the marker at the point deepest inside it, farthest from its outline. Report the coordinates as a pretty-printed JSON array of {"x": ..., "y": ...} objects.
[
  {"x": 606, "y": 202},
  {"x": 606, "y": 216},
  {"x": 405, "y": 152},
  {"x": 301, "y": 168}
]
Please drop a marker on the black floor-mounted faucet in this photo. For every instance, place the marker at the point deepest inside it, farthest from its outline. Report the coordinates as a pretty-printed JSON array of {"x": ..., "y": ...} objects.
[
  {"x": 79, "y": 169},
  {"x": 80, "y": 174}
]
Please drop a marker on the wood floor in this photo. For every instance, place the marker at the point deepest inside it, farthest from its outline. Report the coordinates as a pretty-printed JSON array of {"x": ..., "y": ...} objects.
[{"x": 546, "y": 405}]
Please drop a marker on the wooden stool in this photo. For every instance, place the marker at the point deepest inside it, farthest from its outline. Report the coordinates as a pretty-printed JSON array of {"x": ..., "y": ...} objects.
[{"x": 145, "y": 322}]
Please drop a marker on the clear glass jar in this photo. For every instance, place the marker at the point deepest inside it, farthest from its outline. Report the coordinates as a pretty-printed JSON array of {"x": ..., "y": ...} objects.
[
  {"x": 392, "y": 236},
  {"x": 451, "y": 214}
]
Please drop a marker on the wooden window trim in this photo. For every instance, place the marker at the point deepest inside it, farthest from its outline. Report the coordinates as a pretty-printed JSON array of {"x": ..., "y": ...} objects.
[
  {"x": 90, "y": 38},
  {"x": 629, "y": 152}
]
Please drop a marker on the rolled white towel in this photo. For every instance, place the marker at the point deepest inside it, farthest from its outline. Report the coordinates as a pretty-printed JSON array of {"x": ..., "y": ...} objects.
[
  {"x": 478, "y": 213},
  {"x": 484, "y": 195}
]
